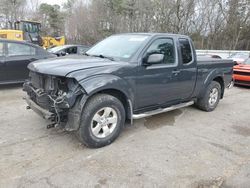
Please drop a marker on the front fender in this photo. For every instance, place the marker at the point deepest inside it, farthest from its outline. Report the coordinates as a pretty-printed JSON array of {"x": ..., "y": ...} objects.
[
  {"x": 94, "y": 85},
  {"x": 98, "y": 83}
]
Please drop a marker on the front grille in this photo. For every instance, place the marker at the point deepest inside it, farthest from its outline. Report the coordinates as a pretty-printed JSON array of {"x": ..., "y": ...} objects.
[
  {"x": 39, "y": 89},
  {"x": 41, "y": 99},
  {"x": 41, "y": 81},
  {"x": 242, "y": 73},
  {"x": 37, "y": 80}
]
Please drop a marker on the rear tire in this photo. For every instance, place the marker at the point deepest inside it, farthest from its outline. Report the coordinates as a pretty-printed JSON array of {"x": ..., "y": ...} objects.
[
  {"x": 211, "y": 97},
  {"x": 102, "y": 120}
]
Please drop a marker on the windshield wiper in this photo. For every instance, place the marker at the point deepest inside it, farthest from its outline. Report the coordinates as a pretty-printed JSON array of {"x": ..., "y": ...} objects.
[
  {"x": 105, "y": 57},
  {"x": 101, "y": 56}
]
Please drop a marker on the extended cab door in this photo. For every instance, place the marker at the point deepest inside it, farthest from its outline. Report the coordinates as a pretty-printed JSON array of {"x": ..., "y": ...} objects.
[
  {"x": 171, "y": 81},
  {"x": 187, "y": 68},
  {"x": 158, "y": 84},
  {"x": 18, "y": 57}
]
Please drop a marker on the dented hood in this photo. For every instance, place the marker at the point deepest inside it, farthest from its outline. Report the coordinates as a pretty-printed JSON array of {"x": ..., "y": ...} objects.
[{"x": 70, "y": 65}]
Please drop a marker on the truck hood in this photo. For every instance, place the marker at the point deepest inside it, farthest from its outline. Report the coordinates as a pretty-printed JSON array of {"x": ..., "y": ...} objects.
[{"x": 70, "y": 65}]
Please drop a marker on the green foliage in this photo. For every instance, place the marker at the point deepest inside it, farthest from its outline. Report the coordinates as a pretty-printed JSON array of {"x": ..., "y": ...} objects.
[{"x": 54, "y": 18}]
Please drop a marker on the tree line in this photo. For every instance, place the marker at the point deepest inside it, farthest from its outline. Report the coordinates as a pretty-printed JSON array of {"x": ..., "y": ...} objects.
[{"x": 212, "y": 24}]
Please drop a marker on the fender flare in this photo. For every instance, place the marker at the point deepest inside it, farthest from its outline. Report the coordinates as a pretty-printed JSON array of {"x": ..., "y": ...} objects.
[
  {"x": 95, "y": 84},
  {"x": 210, "y": 77}
]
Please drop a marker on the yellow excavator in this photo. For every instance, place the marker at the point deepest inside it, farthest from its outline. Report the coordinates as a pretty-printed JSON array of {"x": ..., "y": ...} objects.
[{"x": 30, "y": 31}]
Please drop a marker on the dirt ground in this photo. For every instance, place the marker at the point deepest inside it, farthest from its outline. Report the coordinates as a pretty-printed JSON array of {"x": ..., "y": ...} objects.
[{"x": 182, "y": 148}]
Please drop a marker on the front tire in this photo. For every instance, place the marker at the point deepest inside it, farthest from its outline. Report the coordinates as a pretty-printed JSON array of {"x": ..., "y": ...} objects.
[
  {"x": 211, "y": 97},
  {"x": 102, "y": 120}
]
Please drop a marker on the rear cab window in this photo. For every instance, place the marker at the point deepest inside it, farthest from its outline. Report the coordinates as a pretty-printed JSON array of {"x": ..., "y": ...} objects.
[
  {"x": 186, "y": 51},
  {"x": 15, "y": 49}
]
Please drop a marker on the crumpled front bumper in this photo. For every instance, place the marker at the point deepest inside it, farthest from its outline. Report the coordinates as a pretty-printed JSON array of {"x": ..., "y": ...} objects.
[
  {"x": 65, "y": 110},
  {"x": 39, "y": 110}
]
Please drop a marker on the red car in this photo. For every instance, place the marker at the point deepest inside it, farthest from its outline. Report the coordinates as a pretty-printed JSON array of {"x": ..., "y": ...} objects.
[{"x": 242, "y": 73}]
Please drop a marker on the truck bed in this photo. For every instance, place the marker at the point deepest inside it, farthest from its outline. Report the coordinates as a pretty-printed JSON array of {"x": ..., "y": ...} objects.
[
  {"x": 212, "y": 62},
  {"x": 211, "y": 66}
]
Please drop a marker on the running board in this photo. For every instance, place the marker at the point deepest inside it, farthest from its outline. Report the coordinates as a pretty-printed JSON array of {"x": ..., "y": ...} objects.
[{"x": 162, "y": 110}]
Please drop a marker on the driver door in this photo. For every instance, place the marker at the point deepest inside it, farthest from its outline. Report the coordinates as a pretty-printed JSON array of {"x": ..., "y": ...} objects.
[{"x": 157, "y": 84}]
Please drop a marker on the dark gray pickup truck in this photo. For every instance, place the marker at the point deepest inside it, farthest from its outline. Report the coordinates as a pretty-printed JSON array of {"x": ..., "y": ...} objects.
[{"x": 124, "y": 77}]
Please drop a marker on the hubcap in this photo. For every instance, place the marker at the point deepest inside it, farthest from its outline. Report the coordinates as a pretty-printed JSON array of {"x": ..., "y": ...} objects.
[
  {"x": 213, "y": 97},
  {"x": 104, "y": 122}
]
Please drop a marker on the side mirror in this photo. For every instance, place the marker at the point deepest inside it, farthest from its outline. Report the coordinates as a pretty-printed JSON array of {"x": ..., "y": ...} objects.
[{"x": 153, "y": 59}]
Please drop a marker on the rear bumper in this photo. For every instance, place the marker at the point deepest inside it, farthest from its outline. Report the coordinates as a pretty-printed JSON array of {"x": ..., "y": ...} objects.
[
  {"x": 39, "y": 110},
  {"x": 243, "y": 83},
  {"x": 241, "y": 80},
  {"x": 242, "y": 77}
]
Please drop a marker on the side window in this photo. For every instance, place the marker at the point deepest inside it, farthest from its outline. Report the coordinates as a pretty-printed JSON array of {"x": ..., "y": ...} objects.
[
  {"x": 71, "y": 50},
  {"x": 186, "y": 52},
  {"x": 74, "y": 50},
  {"x": 68, "y": 50},
  {"x": 1, "y": 49},
  {"x": 15, "y": 49},
  {"x": 163, "y": 46}
]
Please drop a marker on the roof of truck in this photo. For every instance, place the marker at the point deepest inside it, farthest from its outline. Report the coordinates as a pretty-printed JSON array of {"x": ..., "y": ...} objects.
[{"x": 155, "y": 34}]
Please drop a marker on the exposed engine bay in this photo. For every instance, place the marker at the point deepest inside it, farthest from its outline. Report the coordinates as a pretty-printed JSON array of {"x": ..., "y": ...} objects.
[{"x": 57, "y": 95}]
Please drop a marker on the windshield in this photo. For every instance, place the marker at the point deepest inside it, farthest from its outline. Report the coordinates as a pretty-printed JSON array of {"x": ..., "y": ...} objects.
[
  {"x": 247, "y": 62},
  {"x": 121, "y": 47},
  {"x": 31, "y": 27}
]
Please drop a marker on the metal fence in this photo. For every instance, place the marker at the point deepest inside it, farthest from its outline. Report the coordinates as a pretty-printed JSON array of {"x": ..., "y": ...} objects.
[{"x": 222, "y": 53}]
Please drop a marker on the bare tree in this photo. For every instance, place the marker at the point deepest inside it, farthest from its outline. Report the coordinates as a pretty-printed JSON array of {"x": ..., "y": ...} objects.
[{"x": 213, "y": 24}]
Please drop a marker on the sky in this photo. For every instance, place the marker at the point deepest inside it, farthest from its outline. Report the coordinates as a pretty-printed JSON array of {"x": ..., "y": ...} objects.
[{"x": 52, "y": 2}]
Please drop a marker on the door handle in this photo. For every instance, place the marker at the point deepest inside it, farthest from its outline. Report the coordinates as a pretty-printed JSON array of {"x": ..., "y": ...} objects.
[{"x": 176, "y": 72}]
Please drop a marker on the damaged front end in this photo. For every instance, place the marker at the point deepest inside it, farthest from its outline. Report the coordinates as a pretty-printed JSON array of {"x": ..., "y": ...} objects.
[{"x": 54, "y": 98}]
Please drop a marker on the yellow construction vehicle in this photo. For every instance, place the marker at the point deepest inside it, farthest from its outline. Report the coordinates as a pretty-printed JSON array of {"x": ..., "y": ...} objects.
[
  {"x": 49, "y": 42},
  {"x": 11, "y": 34},
  {"x": 30, "y": 31}
]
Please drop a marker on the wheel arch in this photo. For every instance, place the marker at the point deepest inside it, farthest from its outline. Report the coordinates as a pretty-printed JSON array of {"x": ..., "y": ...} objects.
[
  {"x": 111, "y": 85},
  {"x": 219, "y": 79},
  {"x": 216, "y": 76},
  {"x": 106, "y": 84},
  {"x": 121, "y": 97}
]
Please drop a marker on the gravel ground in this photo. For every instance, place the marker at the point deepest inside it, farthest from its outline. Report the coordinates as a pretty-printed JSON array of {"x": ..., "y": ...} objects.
[{"x": 182, "y": 148}]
